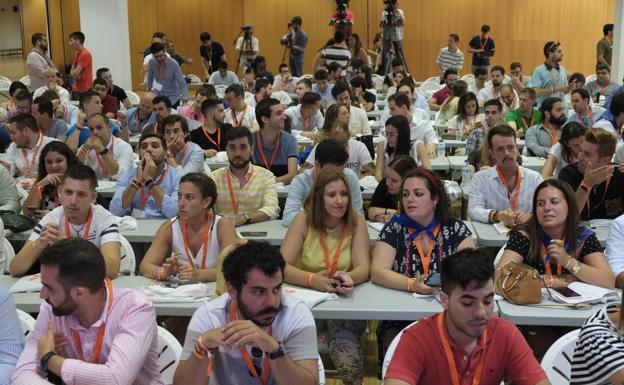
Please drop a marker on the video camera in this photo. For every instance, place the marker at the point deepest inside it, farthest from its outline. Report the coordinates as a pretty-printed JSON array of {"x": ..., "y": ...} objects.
[
  {"x": 389, "y": 12},
  {"x": 341, "y": 14},
  {"x": 247, "y": 30}
]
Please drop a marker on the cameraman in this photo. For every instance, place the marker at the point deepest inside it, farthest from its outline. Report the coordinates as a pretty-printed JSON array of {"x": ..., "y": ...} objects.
[
  {"x": 392, "y": 21},
  {"x": 297, "y": 39},
  {"x": 343, "y": 19},
  {"x": 249, "y": 46}
]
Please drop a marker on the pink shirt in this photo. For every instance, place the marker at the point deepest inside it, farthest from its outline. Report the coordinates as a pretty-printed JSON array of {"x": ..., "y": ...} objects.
[
  {"x": 129, "y": 353},
  {"x": 189, "y": 112}
]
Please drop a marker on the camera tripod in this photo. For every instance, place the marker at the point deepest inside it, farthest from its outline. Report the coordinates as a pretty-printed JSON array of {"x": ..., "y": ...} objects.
[{"x": 246, "y": 40}]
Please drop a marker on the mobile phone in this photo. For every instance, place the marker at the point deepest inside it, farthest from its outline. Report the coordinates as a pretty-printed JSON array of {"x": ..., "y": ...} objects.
[
  {"x": 433, "y": 280},
  {"x": 566, "y": 292},
  {"x": 254, "y": 234}
]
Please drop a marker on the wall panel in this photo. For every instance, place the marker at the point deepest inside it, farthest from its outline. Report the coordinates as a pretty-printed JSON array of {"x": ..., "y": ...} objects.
[{"x": 34, "y": 19}]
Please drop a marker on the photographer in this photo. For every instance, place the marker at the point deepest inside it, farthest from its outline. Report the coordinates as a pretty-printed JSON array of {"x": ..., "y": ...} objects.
[
  {"x": 247, "y": 46},
  {"x": 296, "y": 40},
  {"x": 392, "y": 21},
  {"x": 342, "y": 19}
]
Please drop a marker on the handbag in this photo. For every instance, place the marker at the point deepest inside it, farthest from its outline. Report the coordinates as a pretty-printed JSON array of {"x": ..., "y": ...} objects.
[
  {"x": 519, "y": 284},
  {"x": 16, "y": 222}
]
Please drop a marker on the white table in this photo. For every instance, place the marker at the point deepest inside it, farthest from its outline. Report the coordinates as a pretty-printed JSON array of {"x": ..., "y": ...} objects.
[
  {"x": 543, "y": 315},
  {"x": 374, "y": 114},
  {"x": 532, "y": 163},
  {"x": 440, "y": 164}
]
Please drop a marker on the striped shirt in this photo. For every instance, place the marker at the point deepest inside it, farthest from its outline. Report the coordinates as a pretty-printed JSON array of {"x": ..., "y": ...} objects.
[
  {"x": 599, "y": 352},
  {"x": 258, "y": 194},
  {"x": 447, "y": 59},
  {"x": 129, "y": 353},
  {"x": 10, "y": 335},
  {"x": 340, "y": 55}
]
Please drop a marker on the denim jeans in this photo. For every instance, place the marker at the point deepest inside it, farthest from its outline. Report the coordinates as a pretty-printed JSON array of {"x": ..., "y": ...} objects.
[
  {"x": 398, "y": 51},
  {"x": 296, "y": 65}
]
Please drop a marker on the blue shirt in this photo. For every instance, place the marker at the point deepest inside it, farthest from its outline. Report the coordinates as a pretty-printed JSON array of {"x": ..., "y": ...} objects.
[
  {"x": 85, "y": 133},
  {"x": 171, "y": 79},
  {"x": 541, "y": 78},
  {"x": 11, "y": 336},
  {"x": 287, "y": 149},
  {"x": 169, "y": 184},
  {"x": 133, "y": 116},
  {"x": 615, "y": 246}
]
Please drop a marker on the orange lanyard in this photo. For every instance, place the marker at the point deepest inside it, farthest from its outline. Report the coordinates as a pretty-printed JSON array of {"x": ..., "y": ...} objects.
[
  {"x": 552, "y": 77},
  {"x": 425, "y": 259},
  {"x": 602, "y": 200},
  {"x": 207, "y": 135},
  {"x": 512, "y": 200},
  {"x": 99, "y": 342},
  {"x": 602, "y": 90},
  {"x": 161, "y": 71},
  {"x": 262, "y": 155},
  {"x": 265, "y": 362},
  {"x": 553, "y": 140},
  {"x": 99, "y": 158},
  {"x": 183, "y": 154},
  {"x": 144, "y": 196},
  {"x": 525, "y": 122},
  {"x": 549, "y": 274},
  {"x": 331, "y": 268},
  {"x": 484, "y": 44},
  {"x": 206, "y": 243},
  {"x": 451, "y": 360},
  {"x": 237, "y": 122},
  {"x": 155, "y": 128},
  {"x": 589, "y": 122},
  {"x": 31, "y": 164},
  {"x": 228, "y": 177},
  {"x": 85, "y": 236}
]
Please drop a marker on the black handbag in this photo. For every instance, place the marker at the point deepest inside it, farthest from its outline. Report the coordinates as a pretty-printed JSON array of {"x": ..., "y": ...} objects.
[{"x": 16, "y": 222}]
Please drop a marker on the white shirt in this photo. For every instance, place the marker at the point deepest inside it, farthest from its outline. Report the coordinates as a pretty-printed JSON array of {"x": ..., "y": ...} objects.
[
  {"x": 457, "y": 123},
  {"x": 422, "y": 130},
  {"x": 358, "y": 122},
  {"x": 122, "y": 153},
  {"x": 191, "y": 160},
  {"x": 358, "y": 156},
  {"x": 615, "y": 246},
  {"x": 177, "y": 245},
  {"x": 20, "y": 158},
  {"x": 227, "y": 80},
  {"x": 416, "y": 110},
  {"x": 555, "y": 151},
  {"x": 60, "y": 91},
  {"x": 251, "y": 101},
  {"x": 103, "y": 228},
  {"x": 296, "y": 121},
  {"x": 247, "y": 57},
  {"x": 246, "y": 117},
  {"x": 488, "y": 193}
]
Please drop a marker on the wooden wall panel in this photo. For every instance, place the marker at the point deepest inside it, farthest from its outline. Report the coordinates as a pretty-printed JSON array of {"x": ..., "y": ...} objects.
[
  {"x": 70, "y": 10},
  {"x": 34, "y": 19}
]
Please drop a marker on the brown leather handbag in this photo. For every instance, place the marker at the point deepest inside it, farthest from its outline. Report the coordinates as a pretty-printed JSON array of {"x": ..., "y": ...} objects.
[{"x": 519, "y": 284}]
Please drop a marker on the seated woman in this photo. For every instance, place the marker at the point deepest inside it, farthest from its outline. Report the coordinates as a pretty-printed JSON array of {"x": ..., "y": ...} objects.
[
  {"x": 189, "y": 244},
  {"x": 327, "y": 248},
  {"x": 397, "y": 79},
  {"x": 468, "y": 117},
  {"x": 545, "y": 241},
  {"x": 449, "y": 108},
  {"x": 385, "y": 200},
  {"x": 397, "y": 144},
  {"x": 56, "y": 157},
  {"x": 565, "y": 151},
  {"x": 336, "y": 113},
  {"x": 599, "y": 353}
]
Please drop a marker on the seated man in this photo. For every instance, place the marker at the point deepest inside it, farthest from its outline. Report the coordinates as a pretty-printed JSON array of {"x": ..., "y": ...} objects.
[
  {"x": 420, "y": 108},
  {"x": 193, "y": 111},
  {"x": 65, "y": 111},
  {"x": 108, "y": 156},
  {"x": 162, "y": 109},
  {"x": 246, "y": 193},
  {"x": 541, "y": 137},
  {"x": 615, "y": 250},
  {"x": 504, "y": 192},
  {"x": 223, "y": 76},
  {"x": 322, "y": 87},
  {"x": 493, "y": 87},
  {"x": 586, "y": 114},
  {"x": 599, "y": 186},
  {"x": 303, "y": 86},
  {"x": 110, "y": 104},
  {"x": 480, "y": 77},
  {"x": 52, "y": 84},
  {"x": 284, "y": 81},
  {"x": 77, "y": 135},
  {"x": 328, "y": 154},
  {"x": 78, "y": 304},
  {"x": 184, "y": 156},
  {"x": 76, "y": 217},
  {"x": 140, "y": 116},
  {"x": 113, "y": 89},
  {"x": 11, "y": 334},
  {"x": 211, "y": 135},
  {"x": 22, "y": 156},
  {"x": 272, "y": 147},
  {"x": 493, "y": 110},
  {"x": 306, "y": 116},
  {"x": 364, "y": 98},
  {"x": 508, "y": 98},
  {"x": 150, "y": 190},
  {"x": 602, "y": 87},
  {"x": 239, "y": 113},
  {"x": 525, "y": 115},
  {"x": 9, "y": 197},
  {"x": 519, "y": 81},
  {"x": 262, "y": 90},
  {"x": 463, "y": 333},
  {"x": 420, "y": 129},
  {"x": 49, "y": 125},
  {"x": 358, "y": 121},
  {"x": 437, "y": 99},
  {"x": 253, "y": 319},
  {"x": 397, "y": 66}
]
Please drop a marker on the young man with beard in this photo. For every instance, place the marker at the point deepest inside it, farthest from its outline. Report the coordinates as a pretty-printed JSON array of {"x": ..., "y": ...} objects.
[
  {"x": 162, "y": 109},
  {"x": 88, "y": 331},
  {"x": 38, "y": 61},
  {"x": 550, "y": 79},
  {"x": 465, "y": 343},
  {"x": 525, "y": 115},
  {"x": 541, "y": 137},
  {"x": 211, "y": 135},
  {"x": 185, "y": 157},
  {"x": 586, "y": 114},
  {"x": 253, "y": 333},
  {"x": 78, "y": 134},
  {"x": 239, "y": 113},
  {"x": 150, "y": 190},
  {"x": 246, "y": 192},
  {"x": 22, "y": 156},
  {"x": 493, "y": 88}
]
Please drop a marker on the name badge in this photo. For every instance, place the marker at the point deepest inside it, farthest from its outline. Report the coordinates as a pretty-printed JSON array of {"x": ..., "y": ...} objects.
[
  {"x": 157, "y": 86},
  {"x": 138, "y": 213}
]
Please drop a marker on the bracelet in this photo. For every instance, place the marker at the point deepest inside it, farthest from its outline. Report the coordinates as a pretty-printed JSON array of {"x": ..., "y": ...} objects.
[
  {"x": 411, "y": 285},
  {"x": 569, "y": 260},
  {"x": 136, "y": 184},
  {"x": 585, "y": 186},
  {"x": 197, "y": 354},
  {"x": 386, "y": 211},
  {"x": 309, "y": 279}
]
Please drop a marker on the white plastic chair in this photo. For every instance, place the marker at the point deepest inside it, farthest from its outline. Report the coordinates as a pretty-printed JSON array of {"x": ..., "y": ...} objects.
[
  {"x": 282, "y": 96},
  {"x": 321, "y": 369},
  {"x": 27, "y": 322},
  {"x": 134, "y": 99},
  {"x": 5, "y": 84},
  {"x": 220, "y": 90},
  {"x": 557, "y": 363},
  {"x": 391, "y": 349},
  {"x": 377, "y": 81},
  {"x": 194, "y": 79},
  {"x": 590, "y": 78},
  {"x": 2, "y": 77},
  {"x": 499, "y": 255},
  {"x": 9, "y": 254},
  {"x": 506, "y": 79},
  {"x": 306, "y": 76},
  {"x": 25, "y": 80},
  {"x": 169, "y": 352},
  {"x": 430, "y": 86},
  {"x": 127, "y": 264}
]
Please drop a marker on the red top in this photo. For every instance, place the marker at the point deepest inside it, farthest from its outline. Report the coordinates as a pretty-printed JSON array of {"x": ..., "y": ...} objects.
[
  {"x": 441, "y": 95},
  {"x": 110, "y": 104},
  {"x": 420, "y": 357},
  {"x": 84, "y": 82}
]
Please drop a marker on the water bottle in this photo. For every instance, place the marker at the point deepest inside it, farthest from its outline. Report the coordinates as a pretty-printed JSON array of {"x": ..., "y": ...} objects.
[
  {"x": 441, "y": 149},
  {"x": 465, "y": 182}
]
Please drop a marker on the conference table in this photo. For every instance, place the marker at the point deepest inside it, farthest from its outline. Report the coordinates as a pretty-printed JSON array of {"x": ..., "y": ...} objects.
[{"x": 456, "y": 162}]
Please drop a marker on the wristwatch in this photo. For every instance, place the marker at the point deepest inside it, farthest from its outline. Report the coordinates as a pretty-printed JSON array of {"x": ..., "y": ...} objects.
[
  {"x": 104, "y": 151},
  {"x": 247, "y": 217},
  {"x": 576, "y": 267},
  {"x": 149, "y": 182},
  {"x": 276, "y": 354},
  {"x": 45, "y": 358}
]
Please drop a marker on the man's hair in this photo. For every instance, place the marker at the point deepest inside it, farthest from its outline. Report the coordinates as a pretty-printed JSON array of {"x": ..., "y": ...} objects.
[
  {"x": 548, "y": 104},
  {"x": 577, "y": 77},
  {"x": 173, "y": 119},
  {"x": 339, "y": 36},
  {"x": 550, "y": 47},
  {"x": 237, "y": 89},
  {"x": 99, "y": 82},
  {"x": 397, "y": 61},
  {"x": 480, "y": 71},
  {"x": 494, "y": 102},
  {"x": 77, "y": 36},
  {"x": 50, "y": 94},
  {"x": 605, "y": 140},
  {"x": 251, "y": 255},
  {"x": 305, "y": 81},
  {"x": 515, "y": 65},
  {"x": 485, "y": 28},
  {"x": 204, "y": 37},
  {"x": 333, "y": 67},
  {"x": 263, "y": 109},
  {"x": 530, "y": 92},
  {"x": 82, "y": 173},
  {"x": 37, "y": 37},
  {"x": 105, "y": 119},
  {"x": 602, "y": 67},
  {"x": 581, "y": 91},
  {"x": 160, "y": 35},
  {"x": 465, "y": 267},
  {"x": 500, "y": 130},
  {"x": 400, "y": 99},
  {"x": 450, "y": 71},
  {"x": 223, "y": 65},
  {"x": 157, "y": 47},
  {"x": 23, "y": 95},
  {"x": 310, "y": 99},
  {"x": 209, "y": 104},
  {"x": 260, "y": 84},
  {"x": 455, "y": 37},
  {"x": 86, "y": 98},
  {"x": 23, "y": 120},
  {"x": 282, "y": 66},
  {"x": 162, "y": 99},
  {"x": 407, "y": 82},
  {"x": 499, "y": 69},
  {"x": 79, "y": 263},
  {"x": 606, "y": 29},
  {"x": 321, "y": 74},
  {"x": 16, "y": 86},
  {"x": 617, "y": 104},
  {"x": 150, "y": 134},
  {"x": 330, "y": 151},
  {"x": 207, "y": 90},
  {"x": 339, "y": 88},
  {"x": 238, "y": 132},
  {"x": 44, "y": 105},
  {"x": 358, "y": 83},
  {"x": 101, "y": 71},
  {"x": 296, "y": 20}
]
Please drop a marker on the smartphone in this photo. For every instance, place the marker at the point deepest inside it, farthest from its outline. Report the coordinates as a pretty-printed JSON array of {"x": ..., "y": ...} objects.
[
  {"x": 433, "y": 280},
  {"x": 566, "y": 292},
  {"x": 254, "y": 234}
]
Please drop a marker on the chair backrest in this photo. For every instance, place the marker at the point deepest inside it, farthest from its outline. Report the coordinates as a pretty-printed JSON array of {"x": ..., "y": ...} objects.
[
  {"x": 5, "y": 84},
  {"x": 2, "y": 77},
  {"x": 194, "y": 79},
  {"x": 430, "y": 86},
  {"x": 127, "y": 264},
  {"x": 590, "y": 78},
  {"x": 27, "y": 322},
  {"x": 169, "y": 352},
  {"x": 26, "y": 80},
  {"x": 134, "y": 99},
  {"x": 9, "y": 254},
  {"x": 321, "y": 369},
  {"x": 391, "y": 349},
  {"x": 499, "y": 255},
  {"x": 307, "y": 76},
  {"x": 557, "y": 363},
  {"x": 282, "y": 96},
  {"x": 377, "y": 81},
  {"x": 220, "y": 90}
]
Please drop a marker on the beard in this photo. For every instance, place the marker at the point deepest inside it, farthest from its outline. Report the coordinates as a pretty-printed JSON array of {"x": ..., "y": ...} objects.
[
  {"x": 253, "y": 317},
  {"x": 66, "y": 308},
  {"x": 558, "y": 121},
  {"x": 239, "y": 163}
]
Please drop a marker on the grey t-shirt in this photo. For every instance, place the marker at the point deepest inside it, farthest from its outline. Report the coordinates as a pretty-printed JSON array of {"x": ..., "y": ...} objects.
[{"x": 58, "y": 130}]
